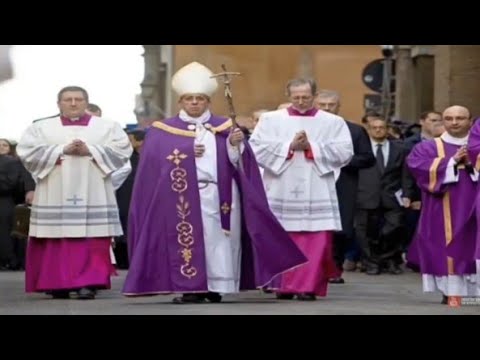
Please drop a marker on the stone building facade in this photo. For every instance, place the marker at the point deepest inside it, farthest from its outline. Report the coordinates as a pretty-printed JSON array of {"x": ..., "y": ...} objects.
[
  {"x": 435, "y": 77},
  {"x": 265, "y": 71},
  {"x": 426, "y": 76}
]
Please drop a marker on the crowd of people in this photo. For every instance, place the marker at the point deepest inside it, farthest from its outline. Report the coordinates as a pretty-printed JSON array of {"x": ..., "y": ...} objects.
[{"x": 284, "y": 200}]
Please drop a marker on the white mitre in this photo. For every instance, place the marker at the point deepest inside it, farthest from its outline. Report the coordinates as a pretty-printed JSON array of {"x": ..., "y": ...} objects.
[{"x": 194, "y": 78}]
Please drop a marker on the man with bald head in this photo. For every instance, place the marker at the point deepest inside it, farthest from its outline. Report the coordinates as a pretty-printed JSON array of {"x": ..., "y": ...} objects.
[{"x": 446, "y": 236}]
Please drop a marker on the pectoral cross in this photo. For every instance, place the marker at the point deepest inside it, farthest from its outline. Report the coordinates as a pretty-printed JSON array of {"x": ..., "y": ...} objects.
[{"x": 75, "y": 199}]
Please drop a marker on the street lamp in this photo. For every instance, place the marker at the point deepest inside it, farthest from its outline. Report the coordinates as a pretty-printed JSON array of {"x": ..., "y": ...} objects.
[{"x": 388, "y": 53}]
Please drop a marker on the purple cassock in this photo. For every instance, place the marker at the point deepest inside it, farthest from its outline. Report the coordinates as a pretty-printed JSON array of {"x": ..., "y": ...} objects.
[
  {"x": 445, "y": 240},
  {"x": 165, "y": 235},
  {"x": 473, "y": 148}
]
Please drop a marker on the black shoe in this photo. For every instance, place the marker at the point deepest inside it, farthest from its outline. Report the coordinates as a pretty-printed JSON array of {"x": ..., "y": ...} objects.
[
  {"x": 336, "y": 281},
  {"x": 444, "y": 300},
  {"x": 373, "y": 269},
  {"x": 59, "y": 294},
  {"x": 86, "y": 294},
  {"x": 285, "y": 296},
  {"x": 190, "y": 299},
  {"x": 214, "y": 297},
  {"x": 394, "y": 268},
  {"x": 306, "y": 297}
]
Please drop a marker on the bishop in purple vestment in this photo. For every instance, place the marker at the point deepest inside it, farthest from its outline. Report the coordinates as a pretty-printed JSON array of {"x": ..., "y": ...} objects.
[
  {"x": 199, "y": 221},
  {"x": 445, "y": 240}
]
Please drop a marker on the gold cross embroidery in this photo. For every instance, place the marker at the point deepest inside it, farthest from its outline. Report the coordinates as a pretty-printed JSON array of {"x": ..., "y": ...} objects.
[
  {"x": 225, "y": 208},
  {"x": 176, "y": 157}
]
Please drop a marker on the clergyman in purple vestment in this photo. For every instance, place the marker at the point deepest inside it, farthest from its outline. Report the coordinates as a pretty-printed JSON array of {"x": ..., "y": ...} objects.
[
  {"x": 445, "y": 240},
  {"x": 74, "y": 213},
  {"x": 473, "y": 149},
  {"x": 199, "y": 221}
]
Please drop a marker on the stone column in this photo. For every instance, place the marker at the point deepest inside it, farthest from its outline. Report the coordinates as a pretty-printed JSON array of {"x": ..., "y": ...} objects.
[
  {"x": 150, "y": 86},
  {"x": 424, "y": 77},
  {"x": 167, "y": 53},
  {"x": 457, "y": 77},
  {"x": 405, "y": 94}
]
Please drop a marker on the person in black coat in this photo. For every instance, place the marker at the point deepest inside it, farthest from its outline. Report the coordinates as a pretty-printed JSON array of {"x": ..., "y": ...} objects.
[
  {"x": 124, "y": 195},
  {"x": 347, "y": 182},
  {"x": 16, "y": 186},
  {"x": 379, "y": 217}
]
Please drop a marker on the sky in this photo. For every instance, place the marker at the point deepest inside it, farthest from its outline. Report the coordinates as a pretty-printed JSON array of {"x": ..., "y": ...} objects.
[{"x": 111, "y": 74}]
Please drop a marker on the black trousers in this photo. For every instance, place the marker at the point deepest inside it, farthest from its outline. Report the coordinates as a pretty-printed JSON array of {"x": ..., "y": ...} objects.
[
  {"x": 7, "y": 252},
  {"x": 121, "y": 253},
  {"x": 341, "y": 243},
  {"x": 411, "y": 222},
  {"x": 380, "y": 233}
]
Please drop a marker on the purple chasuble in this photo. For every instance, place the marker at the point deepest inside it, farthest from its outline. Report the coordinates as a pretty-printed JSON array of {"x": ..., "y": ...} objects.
[
  {"x": 165, "y": 233},
  {"x": 445, "y": 239},
  {"x": 473, "y": 148}
]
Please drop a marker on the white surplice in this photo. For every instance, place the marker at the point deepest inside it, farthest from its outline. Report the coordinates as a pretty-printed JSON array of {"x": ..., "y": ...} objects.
[
  {"x": 223, "y": 250},
  {"x": 302, "y": 192},
  {"x": 75, "y": 198},
  {"x": 119, "y": 176}
]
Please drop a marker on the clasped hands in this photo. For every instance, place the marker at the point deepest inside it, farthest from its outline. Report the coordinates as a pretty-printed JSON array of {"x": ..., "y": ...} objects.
[
  {"x": 300, "y": 142},
  {"x": 77, "y": 148},
  {"x": 461, "y": 156}
]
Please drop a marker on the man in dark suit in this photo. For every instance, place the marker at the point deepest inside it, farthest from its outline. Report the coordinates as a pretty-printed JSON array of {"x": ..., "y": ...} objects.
[
  {"x": 347, "y": 181},
  {"x": 431, "y": 126},
  {"x": 380, "y": 218}
]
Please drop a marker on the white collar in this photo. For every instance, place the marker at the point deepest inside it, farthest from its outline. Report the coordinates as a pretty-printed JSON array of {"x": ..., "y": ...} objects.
[
  {"x": 375, "y": 142},
  {"x": 454, "y": 140},
  {"x": 191, "y": 120}
]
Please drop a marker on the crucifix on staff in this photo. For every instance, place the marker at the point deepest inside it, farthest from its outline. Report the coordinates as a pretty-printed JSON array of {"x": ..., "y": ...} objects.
[{"x": 226, "y": 76}]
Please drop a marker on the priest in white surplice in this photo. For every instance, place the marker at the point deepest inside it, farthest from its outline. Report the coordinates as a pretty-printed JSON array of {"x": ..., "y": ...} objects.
[
  {"x": 301, "y": 148},
  {"x": 74, "y": 213}
]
